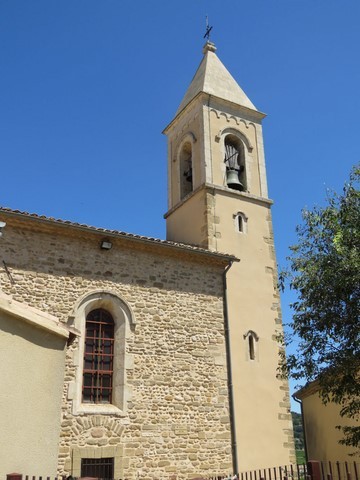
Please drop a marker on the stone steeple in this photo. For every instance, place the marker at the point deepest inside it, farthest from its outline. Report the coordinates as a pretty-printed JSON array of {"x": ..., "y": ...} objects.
[
  {"x": 218, "y": 200},
  {"x": 213, "y": 78}
]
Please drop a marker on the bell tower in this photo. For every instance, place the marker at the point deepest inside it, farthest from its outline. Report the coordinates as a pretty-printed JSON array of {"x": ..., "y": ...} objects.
[{"x": 218, "y": 199}]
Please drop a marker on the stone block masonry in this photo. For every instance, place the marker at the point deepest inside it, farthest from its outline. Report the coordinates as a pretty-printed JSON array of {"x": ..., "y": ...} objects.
[{"x": 175, "y": 417}]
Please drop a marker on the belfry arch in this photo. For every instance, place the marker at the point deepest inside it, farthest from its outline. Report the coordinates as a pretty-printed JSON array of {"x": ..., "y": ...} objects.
[
  {"x": 235, "y": 162},
  {"x": 186, "y": 168}
]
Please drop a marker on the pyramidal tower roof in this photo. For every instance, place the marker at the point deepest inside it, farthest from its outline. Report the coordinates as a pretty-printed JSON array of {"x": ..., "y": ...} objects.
[{"x": 213, "y": 78}]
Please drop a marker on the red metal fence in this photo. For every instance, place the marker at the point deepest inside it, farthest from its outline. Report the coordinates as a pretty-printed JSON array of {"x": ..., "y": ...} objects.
[
  {"x": 313, "y": 470},
  {"x": 338, "y": 470},
  {"x": 295, "y": 472}
]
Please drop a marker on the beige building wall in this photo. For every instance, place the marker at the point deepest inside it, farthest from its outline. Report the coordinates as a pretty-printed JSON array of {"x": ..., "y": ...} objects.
[
  {"x": 262, "y": 409},
  {"x": 322, "y": 436},
  {"x": 32, "y": 376},
  {"x": 193, "y": 218},
  {"x": 173, "y": 415}
]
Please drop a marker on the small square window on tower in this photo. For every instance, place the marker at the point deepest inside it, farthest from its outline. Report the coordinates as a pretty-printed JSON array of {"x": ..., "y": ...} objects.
[
  {"x": 252, "y": 339},
  {"x": 240, "y": 220}
]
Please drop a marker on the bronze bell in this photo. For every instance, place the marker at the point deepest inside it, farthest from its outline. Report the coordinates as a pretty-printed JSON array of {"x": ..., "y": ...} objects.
[
  {"x": 232, "y": 180},
  {"x": 188, "y": 174}
]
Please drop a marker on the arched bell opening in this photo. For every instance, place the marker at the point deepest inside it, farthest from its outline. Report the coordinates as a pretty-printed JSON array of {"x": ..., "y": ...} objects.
[
  {"x": 235, "y": 163},
  {"x": 186, "y": 170}
]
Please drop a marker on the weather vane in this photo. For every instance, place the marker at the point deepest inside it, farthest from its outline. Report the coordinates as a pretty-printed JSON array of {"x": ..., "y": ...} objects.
[{"x": 208, "y": 29}]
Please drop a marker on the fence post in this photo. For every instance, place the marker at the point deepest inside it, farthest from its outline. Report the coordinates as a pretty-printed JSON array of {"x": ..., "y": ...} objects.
[
  {"x": 14, "y": 476},
  {"x": 314, "y": 470}
]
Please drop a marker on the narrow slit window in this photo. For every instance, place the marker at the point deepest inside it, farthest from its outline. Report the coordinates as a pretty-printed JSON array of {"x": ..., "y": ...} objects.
[
  {"x": 252, "y": 340},
  {"x": 251, "y": 347},
  {"x": 240, "y": 222}
]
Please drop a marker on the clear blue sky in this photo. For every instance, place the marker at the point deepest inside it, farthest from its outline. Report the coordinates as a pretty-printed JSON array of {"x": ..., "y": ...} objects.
[{"x": 87, "y": 86}]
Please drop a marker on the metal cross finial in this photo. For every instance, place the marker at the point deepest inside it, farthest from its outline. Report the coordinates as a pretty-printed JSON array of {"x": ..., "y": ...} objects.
[{"x": 208, "y": 29}]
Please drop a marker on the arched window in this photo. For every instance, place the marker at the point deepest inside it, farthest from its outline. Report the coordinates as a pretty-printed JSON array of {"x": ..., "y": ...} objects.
[
  {"x": 186, "y": 170},
  {"x": 235, "y": 163},
  {"x": 105, "y": 323},
  {"x": 240, "y": 222},
  {"x": 98, "y": 357},
  {"x": 252, "y": 348}
]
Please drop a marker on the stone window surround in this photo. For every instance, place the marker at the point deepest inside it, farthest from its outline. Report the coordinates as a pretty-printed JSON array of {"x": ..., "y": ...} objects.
[
  {"x": 244, "y": 224},
  {"x": 124, "y": 326}
]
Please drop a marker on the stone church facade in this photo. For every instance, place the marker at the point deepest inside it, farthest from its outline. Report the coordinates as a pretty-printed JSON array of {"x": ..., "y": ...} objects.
[{"x": 169, "y": 347}]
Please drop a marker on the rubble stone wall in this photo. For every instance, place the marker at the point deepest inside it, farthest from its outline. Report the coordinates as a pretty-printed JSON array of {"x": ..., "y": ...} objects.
[{"x": 174, "y": 422}]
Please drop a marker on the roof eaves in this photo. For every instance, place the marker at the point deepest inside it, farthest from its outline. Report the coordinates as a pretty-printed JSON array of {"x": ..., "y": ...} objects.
[
  {"x": 119, "y": 234},
  {"x": 309, "y": 389}
]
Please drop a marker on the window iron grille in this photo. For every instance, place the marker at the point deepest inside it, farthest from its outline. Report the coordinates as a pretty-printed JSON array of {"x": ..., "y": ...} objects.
[
  {"x": 101, "y": 468},
  {"x": 98, "y": 357}
]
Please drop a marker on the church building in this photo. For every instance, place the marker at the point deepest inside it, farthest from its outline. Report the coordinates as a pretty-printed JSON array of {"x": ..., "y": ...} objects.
[{"x": 133, "y": 357}]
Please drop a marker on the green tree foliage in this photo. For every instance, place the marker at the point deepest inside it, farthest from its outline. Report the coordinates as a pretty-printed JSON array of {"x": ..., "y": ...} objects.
[
  {"x": 298, "y": 431},
  {"x": 325, "y": 273}
]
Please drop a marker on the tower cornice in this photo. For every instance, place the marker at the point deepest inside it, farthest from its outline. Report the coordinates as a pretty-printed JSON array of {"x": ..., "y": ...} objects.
[
  {"x": 209, "y": 187},
  {"x": 205, "y": 99}
]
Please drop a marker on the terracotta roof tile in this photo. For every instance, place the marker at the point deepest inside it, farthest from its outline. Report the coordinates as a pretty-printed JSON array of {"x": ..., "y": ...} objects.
[{"x": 118, "y": 233}]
